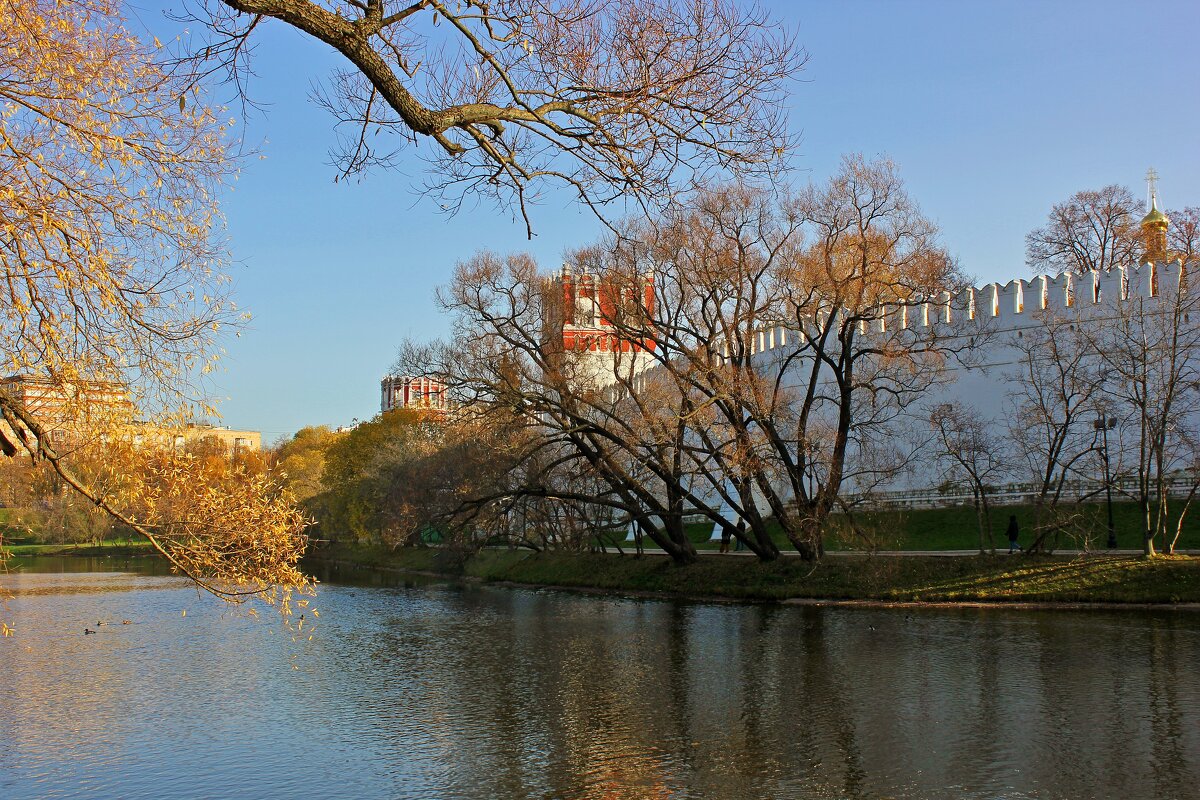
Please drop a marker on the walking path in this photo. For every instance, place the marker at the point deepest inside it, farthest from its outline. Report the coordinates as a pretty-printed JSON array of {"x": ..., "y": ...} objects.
[{"x": 654, "y": 551}]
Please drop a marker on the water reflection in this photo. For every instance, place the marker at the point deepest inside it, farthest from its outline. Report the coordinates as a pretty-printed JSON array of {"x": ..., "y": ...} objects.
[{"x": 442, "y": 691}]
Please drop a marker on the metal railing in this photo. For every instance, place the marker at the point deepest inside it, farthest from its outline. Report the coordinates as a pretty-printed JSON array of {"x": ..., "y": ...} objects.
[{"x": 1010, "y": 493}]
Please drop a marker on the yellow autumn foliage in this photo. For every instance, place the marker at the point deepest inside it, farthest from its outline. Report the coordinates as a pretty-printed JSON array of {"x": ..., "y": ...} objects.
[
  {"x": 108, "y": 248},
  {"x": 112, "y": 275}
]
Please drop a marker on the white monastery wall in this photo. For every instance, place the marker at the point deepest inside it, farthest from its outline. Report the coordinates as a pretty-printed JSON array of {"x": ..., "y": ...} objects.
[{"x": 985, "y": 323}]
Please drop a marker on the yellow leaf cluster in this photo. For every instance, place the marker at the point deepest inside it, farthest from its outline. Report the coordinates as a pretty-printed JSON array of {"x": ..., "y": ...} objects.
[
  {"x": 108, "y": 229},
  {"x": 224, "y": 522},
  {"x": 112, "y": 288}
]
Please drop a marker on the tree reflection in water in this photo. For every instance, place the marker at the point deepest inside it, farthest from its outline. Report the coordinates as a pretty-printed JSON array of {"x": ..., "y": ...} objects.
[{"x": 451, "y": 692}]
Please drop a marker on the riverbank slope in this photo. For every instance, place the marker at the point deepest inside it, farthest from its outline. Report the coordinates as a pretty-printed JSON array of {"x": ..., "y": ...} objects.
[
  {"x": 889, "y": 579},
  {"x": 121, "y": 547}
]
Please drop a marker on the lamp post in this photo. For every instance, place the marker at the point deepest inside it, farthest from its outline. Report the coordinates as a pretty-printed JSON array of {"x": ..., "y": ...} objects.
[{"x": 1103, "y": 425}]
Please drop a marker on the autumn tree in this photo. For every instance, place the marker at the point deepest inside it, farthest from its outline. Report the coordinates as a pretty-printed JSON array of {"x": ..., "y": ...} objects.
[
  {"x": 871, "y": 300},
  {"x": 615, "y": 99},
  {"x": 782, "y": 322},
  {"x": 39, "y": 505},
  {"x": 573, "y": 419},
  {"x": 356, "y": 468},
  {"x": 484, "y": 477},
  {"x": 463, "y": 492},
  {"x": 111, "y": 258},
  {"x": 301, "y": 460},
  {"x": 1090, "y": 230},
  {"x": 756, "y": 360},
  {"x": 710, "y": 270}
]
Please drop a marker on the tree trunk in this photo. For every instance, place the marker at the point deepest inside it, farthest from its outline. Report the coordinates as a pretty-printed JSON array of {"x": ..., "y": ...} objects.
[
  {"x": 1147, "y": 528},
  {"x": 758, "y": 538},
  {"x": 987, "y": 521},
  {"x": 1163, "y": 517},
  {"x": 979, "y": 517},
  {"x": 1039, "y": 534},
  {"x": 1179, "y": 525},
  {"x": 758, "y": 541},
  {"x": 682, "y": 551},
  {"x": 807, "y": 539},
  {"x": 669, "y": 541}
]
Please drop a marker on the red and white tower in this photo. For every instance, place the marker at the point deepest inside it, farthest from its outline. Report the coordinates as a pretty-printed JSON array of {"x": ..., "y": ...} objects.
[
  {"x": 406, "y": 391},
  {"x": 601, "y": 316}
]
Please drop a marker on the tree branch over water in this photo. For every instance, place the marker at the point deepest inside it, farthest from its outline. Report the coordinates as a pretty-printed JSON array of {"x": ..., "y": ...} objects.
[
  {"x": 113, "y": 291},
  {"x": 616, "y": 99}
]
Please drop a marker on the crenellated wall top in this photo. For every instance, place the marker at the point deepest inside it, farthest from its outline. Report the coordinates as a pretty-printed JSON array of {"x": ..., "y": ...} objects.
[{"x": 1020, "y": 303}]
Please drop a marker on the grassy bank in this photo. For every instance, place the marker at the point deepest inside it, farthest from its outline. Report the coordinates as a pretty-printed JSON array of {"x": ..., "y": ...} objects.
[
  {"x": 115, "y": 547},
  {"x": 956, "y": 528},
  {"x": 1001, "y": 579}
]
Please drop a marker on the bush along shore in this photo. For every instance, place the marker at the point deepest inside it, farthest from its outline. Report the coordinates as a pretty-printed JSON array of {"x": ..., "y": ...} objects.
[{"x": 1096, "y": 579}]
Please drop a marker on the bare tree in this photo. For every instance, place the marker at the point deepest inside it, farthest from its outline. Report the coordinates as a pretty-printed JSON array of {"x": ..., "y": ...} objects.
[
  {"x": 513, "y": 361},
  {"x": 741, "y": 374},
  {"x": 791, "y": 362},
  {"x": 1183, "y": 235},
  {"x": 613, "y": 98},
  {"x": 971, "y": 450},
  {"x": 869, "y": 300},
  {"x": 1151, "y": 350},
  {"x": 1057, "y": 384},
  {"x": 1091, "y": 230},
  {"x": 712, "y": 268}
]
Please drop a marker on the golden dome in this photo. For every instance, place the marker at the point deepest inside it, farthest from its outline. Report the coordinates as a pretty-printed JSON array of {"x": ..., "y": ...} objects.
[{"x": 1155, "y": 218}]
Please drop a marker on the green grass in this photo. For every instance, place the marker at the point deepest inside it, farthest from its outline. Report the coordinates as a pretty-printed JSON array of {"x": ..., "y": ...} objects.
[
  {"x": 112, "y": 547},
  {"x": 955, "y": 528},
  {"x": 889, "y": 579}
]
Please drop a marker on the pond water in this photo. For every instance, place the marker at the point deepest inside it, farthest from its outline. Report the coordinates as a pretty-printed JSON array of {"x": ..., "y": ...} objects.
[{"x": 438, "y": 692}]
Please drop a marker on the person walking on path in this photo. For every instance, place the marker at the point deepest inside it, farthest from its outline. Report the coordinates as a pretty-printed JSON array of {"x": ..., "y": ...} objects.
[
  {"x": 1013, "y": 533},
  {"x": 726, "y": 535}
]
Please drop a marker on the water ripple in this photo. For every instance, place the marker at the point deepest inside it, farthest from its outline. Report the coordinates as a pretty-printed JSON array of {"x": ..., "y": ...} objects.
[{"x": 455, "y": 694}]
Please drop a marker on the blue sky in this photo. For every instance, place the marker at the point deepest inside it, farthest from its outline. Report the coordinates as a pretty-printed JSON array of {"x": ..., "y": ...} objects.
[{"x": 993, "y": 111}]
